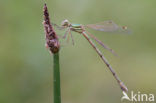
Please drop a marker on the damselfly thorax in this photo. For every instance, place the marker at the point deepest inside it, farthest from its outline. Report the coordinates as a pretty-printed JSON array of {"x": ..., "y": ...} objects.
[
  {"x": 73, "y": 27},
  {"x": 77, "y": 28}
]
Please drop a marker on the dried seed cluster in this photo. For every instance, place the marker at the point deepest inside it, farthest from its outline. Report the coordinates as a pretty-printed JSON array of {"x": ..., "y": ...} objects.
[{"x": 52, "y": 41}]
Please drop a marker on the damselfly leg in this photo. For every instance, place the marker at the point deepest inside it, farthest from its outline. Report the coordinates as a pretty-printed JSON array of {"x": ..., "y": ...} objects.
[{"x": 101, "y": 43}]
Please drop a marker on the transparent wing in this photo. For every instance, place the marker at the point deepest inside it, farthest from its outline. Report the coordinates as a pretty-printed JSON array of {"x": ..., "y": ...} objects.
[
  {"x": 108, "y": 26},
  {"x": 61, "y": 31},
  {"x": 57, "y": 26},
  {"x": 101, "y": 43}
]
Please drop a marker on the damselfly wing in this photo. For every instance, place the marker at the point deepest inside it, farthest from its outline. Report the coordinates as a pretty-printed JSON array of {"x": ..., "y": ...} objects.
[{"x": 109, "y": 26}]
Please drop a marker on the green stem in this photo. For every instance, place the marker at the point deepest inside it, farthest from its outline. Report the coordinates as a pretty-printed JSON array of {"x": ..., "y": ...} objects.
[{"x": 56, "y": 80}]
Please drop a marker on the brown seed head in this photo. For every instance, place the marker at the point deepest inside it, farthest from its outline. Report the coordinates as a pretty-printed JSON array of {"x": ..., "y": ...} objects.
[{"x": 51, "y": 38}]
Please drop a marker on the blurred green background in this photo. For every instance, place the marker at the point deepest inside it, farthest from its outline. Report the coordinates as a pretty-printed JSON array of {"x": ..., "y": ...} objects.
[{"x": 26, "y": 65}]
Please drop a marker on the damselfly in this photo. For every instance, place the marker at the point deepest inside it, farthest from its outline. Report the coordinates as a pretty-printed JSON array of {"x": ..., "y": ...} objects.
[{"x": 106, "y": 26}]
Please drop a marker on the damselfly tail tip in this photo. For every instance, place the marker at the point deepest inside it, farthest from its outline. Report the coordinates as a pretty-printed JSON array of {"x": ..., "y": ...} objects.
[{"x": 123, "y": 87}]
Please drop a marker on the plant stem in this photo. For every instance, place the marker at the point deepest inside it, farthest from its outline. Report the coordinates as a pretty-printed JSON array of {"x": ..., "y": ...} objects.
[
  {"x": 53, "y": 44},
  {"x": 56, "y": 79}
]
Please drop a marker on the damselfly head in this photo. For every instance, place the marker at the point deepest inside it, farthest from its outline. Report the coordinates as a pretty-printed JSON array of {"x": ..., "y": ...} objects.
[{"x": 65, "y": 23}]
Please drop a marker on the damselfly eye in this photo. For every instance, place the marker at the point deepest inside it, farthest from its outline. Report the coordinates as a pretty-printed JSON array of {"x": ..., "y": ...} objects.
[{"x": 65, "y": 23}]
